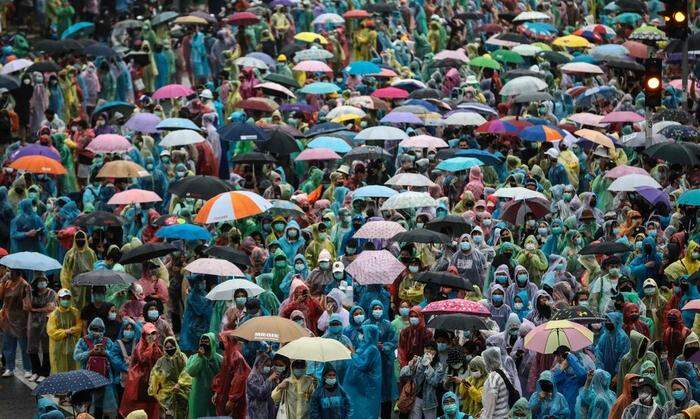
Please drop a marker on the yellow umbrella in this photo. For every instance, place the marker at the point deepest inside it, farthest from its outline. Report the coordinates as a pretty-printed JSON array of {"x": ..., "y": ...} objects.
[
  {"x": 571, "y": 41},
  {"x": 122, "y": 169},
  {"x": 191, "y": 20},
  {"x": 595, "y": 137},
  {"x": 310, "y": 37},
  {"x": 315, "y": 349},
  {"x": 345, "y": 118}
]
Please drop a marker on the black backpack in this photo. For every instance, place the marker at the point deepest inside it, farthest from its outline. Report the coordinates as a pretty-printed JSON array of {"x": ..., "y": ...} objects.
[{"x": 513, "y": 395}]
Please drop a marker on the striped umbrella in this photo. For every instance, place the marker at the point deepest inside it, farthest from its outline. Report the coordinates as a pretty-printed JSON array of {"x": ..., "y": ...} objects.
[
  {"x": 541, "y": 133},
  {"x": 230, "y": 206},
  {"x": 547, "y": 337}
]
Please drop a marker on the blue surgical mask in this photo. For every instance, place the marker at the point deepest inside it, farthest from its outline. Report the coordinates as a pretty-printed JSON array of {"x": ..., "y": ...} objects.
[
  {"x": 497, "y": 298},
  {"x": 542, "y": 231},
  {"x": 153, "y": 314},
  {"x": 414, "y": 321},
  {"x": 678, "y": 394},
  {"x": 478, "y": 239},
  {"x": 334, "y": 330},
  {"x": 350, "y": 250},
  {"x": 522, "y": 278},
  {"x": 441, "y": 346},
  {"x": 331, "y": 381},
  {"x": 298, "y": 372},
  {"x": 403, "y": 311},
  {"x": 465, "y": 246},
  {"x": 240, "y": 301},
  {"x": 450, "y": 409},
  {"x": 112, "y": 315},
  {"x": 377, "y": 314},
  {"x": 638, "y": 245},
  {"x": 265, "y": 370},
  {"x": 128, "y": 334},
  {"x": 359, "y": 318}
]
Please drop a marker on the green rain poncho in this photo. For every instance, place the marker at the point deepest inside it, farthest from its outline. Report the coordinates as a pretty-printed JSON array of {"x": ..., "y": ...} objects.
[
  {"x": 166, "y": 373},
  {"x": 68, "y": 183},
  {"x": 279, "y": 272},
  {"x": 268, "y": 299},
  {"x": 78, "y": 260},
  {"x": 313, "y": 181},
  {"x": 633, "y": 360},
  {"x": 533, "y": 259},
  {"x": 202, "y": 369},
  {"x": 316, "y": 246},
  {"x": 662, "y": 395}
]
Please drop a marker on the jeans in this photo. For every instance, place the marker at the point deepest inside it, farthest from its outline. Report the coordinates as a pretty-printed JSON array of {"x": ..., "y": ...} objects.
[
  {"x": 9, "y": 350},
  {"x": 418, "y": 413}
]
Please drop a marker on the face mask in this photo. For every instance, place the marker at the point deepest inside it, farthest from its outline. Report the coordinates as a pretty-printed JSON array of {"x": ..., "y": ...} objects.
[
  {"x": 522, "y": 279},
  {"x": 487, "y": 222},
  {"x": 26, "y": 81},
  {"x": 497, "y": 299},
  {"x": 478, "y": 239},
  {"x": 128, "y": 334},
  {"x": 413, "y": 268},
  {"x": 579, "y": 241},
  {"x": 80, "y": 242},
  {"x": 645, "y": 397},
  {"x": 265, "y": 370},
  {"x": 568, "y": 196},
  {"x": 556, "y": 230},
  {"x": 359, "y": 318},
  {"x": 403, "y": 311},
  {"x": 678, "y": 395},
  {"x": 280, "y": 369},
  {"x": 502, "y": 279},
  {"x": 240, "y": 301},
  {"x": 152, "y": 314},
  {"x": 615, "y": 272},
  {"x": 414, "y": 321},
  {"x": 677, "y": 290},
  {"x": 350, "y": 250},
  {"x": 42, "y": 284},
  {"x": 377, "y": 314},
  {"x": 465, "y": 246},
  {"x": 476, "y": 374},
  {"x": 278, "y": 227},
  {"x": 649, "y": 291},
  {"x": 583, "y": 303},
  {"x": 441, "y": 347},
  {"x": 530, "y": 223},
  {"x": 530, "y": 246},
  {"x": 338, "y": 275},
  {"x": 560, "y": 267},
  {"x": 280, "y": 263},
  {"x": 292, "y": 233},
  {"x": 298, "y": 372},
  {"x": 638, "y": 245},
  {"x": 170, "y": 351},
  {"x": 518, "y": 306},
  {"x": 299, "y": 267},
  {"x": 324, "y": 265},
  {"x": 696, "y": 255},
  {"x": 450, "y": 409},
  {"x": 616, "y": 231},
  {"x": 98, "y": 298},
  {"x": 347, "y": 220},
  {"x": 542, "y": 231},
  {"x": 112, "y": 316},
  {"x": 420, "y": 225},
  {"x": 97, "y": 335},
  {"x": 65, "y": 303},
  {"x": 322, "y": 236}
]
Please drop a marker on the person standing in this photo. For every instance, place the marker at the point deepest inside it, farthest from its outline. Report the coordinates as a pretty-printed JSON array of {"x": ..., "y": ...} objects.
[
  {"x": 43, "y": 302},
  {"x": 64, "y": 328},
  {"x": 202, "y": 367},
  {"x": 15, "y": 294}
]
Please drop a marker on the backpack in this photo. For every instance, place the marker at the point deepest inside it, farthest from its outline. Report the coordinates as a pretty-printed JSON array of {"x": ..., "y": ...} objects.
[
  {"x": 97, "y": 363},
  {"x": 513, "y": 395},
  {"x": 407, "y": 397}
]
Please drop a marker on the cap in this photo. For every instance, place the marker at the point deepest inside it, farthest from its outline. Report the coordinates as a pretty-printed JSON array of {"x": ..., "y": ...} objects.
[
  {"x": 553, "y": 153},
  {"x": 165, "y": 153},
  {"x": 338, "y": 267},
  {"x": 64, "y": 293},
  {"x": 471, "y": 79},
  {"x": 601, "y": 151},
  {"x": 206, "y": 94}
]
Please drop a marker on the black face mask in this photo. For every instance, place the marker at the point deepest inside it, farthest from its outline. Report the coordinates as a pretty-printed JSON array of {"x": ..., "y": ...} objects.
[
  {"x": 170, "y": 351},
  {"x": 688, "y": 352},
  {"x": 610, "y": 326},
  {"x": 80, "y": 242},
  {"x": 547, "y": 386},
  {"x": 205, "y": 347}
]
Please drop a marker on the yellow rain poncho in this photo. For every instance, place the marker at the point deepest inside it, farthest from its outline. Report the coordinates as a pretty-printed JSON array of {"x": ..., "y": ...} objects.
[
  {"x": 61, "y": 345},
  {"x": 78, "y": 259},
  {"x": 165, "y": 375}
]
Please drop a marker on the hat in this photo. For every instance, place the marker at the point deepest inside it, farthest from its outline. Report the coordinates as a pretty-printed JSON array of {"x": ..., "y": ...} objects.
[
  {"x": 601, "y": 151},
  {"x": 64, "y": 293},
  {"x": 344, "y": 169},
  {"x": 324, "y": 256},
  {"x": 471, "y": 79},
  {"x": 281, "y": 58},
  {"x": 206, "y": 94},
  {"x": 338, "y": 267},
  {"x": 165, "y": 153},
  {"x": 553, "y": 153},
  {"x": 586, "y": 214}
]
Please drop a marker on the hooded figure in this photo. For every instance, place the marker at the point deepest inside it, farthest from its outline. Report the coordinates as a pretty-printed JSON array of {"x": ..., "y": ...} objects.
[
  {"x": 414, "y": 337},
  {"x": 320, "y": 280},
  {"x": 165, "y": 375},
  {"x": 471, "y": 392},
  {"x": 470, "y": 262},
  {"x": 674, "y": 335},
  {"x": 497, "y": 306},
  {"x": 353, "y": 331},
  {"x": 638, "y": 267},
  {"x": 630, "y": 320},
  {"x": 388, "y": 340},
  {"x": 319, "y": 242},
  {"x": 553, "y": 405},
  {"x": 363, "y": 381},
  {"x": 656, "y": 305},
  {"x": 26, "y": 230},
  {"x": 281, "y": 271},
  {"x": 229, "y": 383},
  {"x": 79, "y": 259},
  {"x": 105, "y": 399},
  {"x": 532, "y": 258},
  {"x": 495, "y": 394},
  {"x": 143, "y": 358},
  {"x": 329, "y": 400},
  {"x": 612, "y": 344},
  {"x": 66, "y": 317},
  {"x": 335, "y": 297},
  {"x": 507, "y": 364},
  {"x": 541, "y": 311},
  {"x": 300, "y": 267},
  {"x": 268, "y": 300},
  {"x": 627, "y": 396},
  {"x": 292, "y": 242},
  {"x": 635, "y": 357},
  {"x": 682, "y": 398},
  {"x": 596, "y": 399},
  {"x": 687, "y": 265},
  {"x": 521, "y": 284},
  {"x": 197, "y": 317},
  {"x": 259, "y": 388},
  {"x": 648, "y": 370},
  {"x": 300, "y": 299},
  {"x": 202, "y": 367}
]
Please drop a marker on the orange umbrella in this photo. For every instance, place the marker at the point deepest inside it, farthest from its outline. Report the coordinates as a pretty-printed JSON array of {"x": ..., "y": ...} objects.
[{"x": 39, "y": 164}]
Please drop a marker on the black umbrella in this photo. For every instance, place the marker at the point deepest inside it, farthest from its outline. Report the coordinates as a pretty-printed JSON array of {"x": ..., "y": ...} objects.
[
  {"x": 624, "y": 64},
  {"x": 605, "y": 248},
  {"x": 282, "y": 79},
  {"x": 71, "y": 44},
  {"x": 382, "y": 8},
  {"x": 103, "y": 277},
  {"x": 234, "y": 256},
  {"x": 99, "y": 218},
  {"x": 421, "y": 235},
  {"x": 140, "y": 58},
  {"x": 242, "y": 132},
  {"x": 253, "y": 157},
  {"x": 48, "y": 46},
  {"x": 677, "y": 115},
  {"x": 99, "y": 50},
  {"x": 578, "y": 314},
  {"x": 456, "y": 321},
  {"x": 146, "y": 252},
  {"x": 278, "y": 142},
  {"x": 198, "y": 187},
  {"x": 163, "y": 17},
  {"x": 371, "y": 152},
  {"x": 8, "y": 82},
  {"x": 44, "y": 67},
  {"x": 324, "y": 128},
  {"x": 514, "y": 37},
  {"x": 452, "y": 225},
  {"x": 426, "y": 94},
  {"x": 169, "y": 220},
  {"x": 71, "y": 382},
  {"x": 634, "y": 6},
  {"x": 291, "y": 49},
  {"x": 521, "y": 72},
  {"x": 679, "y": 152},
  {"x": 554, "y": 57},
  {"x": 444, "y": 279}
]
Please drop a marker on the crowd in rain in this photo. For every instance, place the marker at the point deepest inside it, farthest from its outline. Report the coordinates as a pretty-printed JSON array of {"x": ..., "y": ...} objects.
[{"x": 348, "y": 209}]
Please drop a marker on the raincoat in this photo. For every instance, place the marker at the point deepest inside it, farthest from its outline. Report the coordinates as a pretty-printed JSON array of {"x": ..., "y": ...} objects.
[
  {"x": 533, "y": 260},
  {"x": 143, "y": 358},
  {"x": 596, "y": 400},
  {"x": 202, "y": 369},
  {"x": 388, "y": 340},
  {"x": 662, "y": 395},
  {"x": 472, "y": 394},
  {"x": 638, "y": 269},
  {"x": 412, "y": 339},
  {"x": 61, "y": 344},
  {"x": 676, "y": 407},
  {"x": 363, "y": 381},
  {"x": 258, "y": 390},
  {"x": 570, "y": 380},
  {"x": 78, "y": 259},
  {"x": 106, "y": 397},
  {"x": 632, "y": 361},
  {"x": 495, "y": 393},
  {"x": 289, "y": 246},
  {"x": 625, "y": 398},
  {"x": 163, "y": 381},
  {"x": 26, "y": 220},
  {"x": 195, "y": 321},
  {"x": 685, "y": 265},
  {"x": 296, "y": 397},
  {"x": 554, "y": 407},
  {"x": 655, "y": 304},
  {"x": 612, "y": 345},
  {"x": 329, "y": 403},
  {"x": 471, "y": 264},
  {"x": 316, "y": 246},
  {"x": 229, "y": 383},
  {"x": 518, "y": 287}
]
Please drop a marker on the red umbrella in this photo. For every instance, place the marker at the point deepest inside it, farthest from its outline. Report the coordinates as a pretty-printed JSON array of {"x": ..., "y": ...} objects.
[
  {"x": 390, "y": 93},
  {"x": 243, "y": 19},
  {"x": 356, "y": 14},
  {"x": 457, "y": 305},
  {"x": 520, "y": 124},
  {"x": 514, "y": 211},
  {"x": 636, "y": 49},
  {"x": 257, "y": 104}
]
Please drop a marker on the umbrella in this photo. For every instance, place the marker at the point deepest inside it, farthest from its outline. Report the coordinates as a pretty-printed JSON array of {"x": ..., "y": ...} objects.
[
  {"x": 484, "y": 156},
  {"x": 146, "y": 252},
  {"x": 525, "y": 16},
  {"x": 235, "y": 256},
  {"x": 285, "y": 208},
  {"x": 191, "y": 20},
  {"x": 133, "y": 196},
  {"x": 30, "y": 261},
  {"x": 624, "y": 170},
  {"x": 8, "y": 82},
  {"x": 251, "y": 62},
  {"x": 517, "y": 193},
  {"x": 458, "y": 164},
  {"x": 405, "y": 200},
  {"x": 692, "y": 305},
  {"x": 174, "y": 124},
  {"x": 578, "y": 314},
  {"x": 129, "y": 24},
  {"x": 507, "y": 56},
  {"x": 375, "y": 267},
  {"x": 164, "y": 17},
  {"x": 345, "y": 110},
  {"x": 410, "y": 179},
  {"x": 328, "y": 18},
  {"x": 532, "y": 97},
  {"x": 648, "y": 33},
  {"x": 317, "y": 154},
  {"x": 172, "y": 91},
  {"x": 421, "y": 235},
  {"x": 275, "y": 89},
  {"x": 198, "y": 187},
  {"x": 16, "y": 65},
  {"x": 383, "y": 230},
  {"x": 243, "y": 19},
  {"x": 71, "y": 382},
  {"x": 39, "y": 165},
  {"x": 456, "y": 55},
  {"x": 426, "y": 94},
  {"x": 423, "y": 141},
  {"x": 465, "y": 119},
  {"x": 99, "y": 50},
  {"x": 99, "y": 218},
  {"x": 109, "y": 143},
  {"x": 400, "y": 118},
  {"x": 356, "y": 14},
  {"x": 279, "y": 142},
  {"x": 332, "y": 143},
  {"x": 571, "y": 41},
  {"x": 621, "y": 117},
  {"x": 259, "y": 104},
  {"x": 44, "y": 67},
  {"x": 515, "y": 211},
  {"x": 78, "y": 29},
  {"x": 319, "y": 88},
  {"x": 253, "y": 157},
  {"x": 654, "y": 196},
  {"x": 215, "y": 267},
  {"x": 269, "y": 329},
  {"x": 324, "y": 128},
  {"x": 35, "y": 150},
  {"x": 595, "y": 137},
  {"x": 315, "y": 349},
  {"x": 138, "y": 57},
  {"x": 122, "y": 169},
  {"x": 548, "y": 337},
  {"x": 677, "y": 115},
  {"x": 496, "y": 126},
  {"x": 183, "y": 232},
  {"x": 581, "y": 68},
  {"x": 525, "y": 84},
  {"x": 225, "y": 290},
  {"x": 690, "y": 197},
  {"x": 103, "y": 277},
  {"x": 282, "y": 79},
  {"x": 361, "y": 68},
  {"x": 484, "y": 62},
  {"x": 367, "y": 153},
  {"x": 444, "y": 279},
  {"x": 230, "y": 206},
  {"x": 263, "y": 57},
  {"x": 456, "y": 322},
  {"x": 451, "y": 225},
  {"x": 374, "y": 191},
  {"x": 180, "y": 138},
  {"x": 310, "y": 37},
  {"x": 605, "y": 248},
  {"x": 541, "y": 133},
  {"x": 242, "y": 131},
  {"x": 628, "y": 183},
  {"x": 680, "y": 132},
  {"x": 313, "y": 66},
  {"x": 390, "y": 93},
  {"x": 381, "y": 133},
  {"x": 457, "y": 305},
  {"x": 114, "y": 106}
]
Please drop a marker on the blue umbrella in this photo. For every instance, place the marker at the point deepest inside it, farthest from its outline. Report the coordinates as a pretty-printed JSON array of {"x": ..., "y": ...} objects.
[
  {"x": 77, "y": 28},
  {"x": 361, "y": 68},
  {"x": 176, "y": 123},
  {"x": 30, "y": 261},
  {"x": 606, "y": 51},
  {"x": 457, "y": 164},
  {"x": 582, "y": 58},
  {"x": 263, "y": 57},
  {"x": 324, "y": 128},
  {"x": 71, "y": 382},
  {"x": 483, "y": 155},
  {"x": 374, "y": 191},
  {"x": 125, "y": 108},
  {"x": 35, "y": 150},
  {"x": 476, "y": 107},
  {"x": 242, "y": 131},
  {"x": 333, "y": 143},
  {"x": 653, "y": 195},
  {"x": 183, "y": 232},
  {"x": 691, "y": 197},
  {"x": 540, "y": 28},
  {"x": 604, "y": 91},
  {"x": 420, "y": 102},
  {"x": 320, "y": 88}
]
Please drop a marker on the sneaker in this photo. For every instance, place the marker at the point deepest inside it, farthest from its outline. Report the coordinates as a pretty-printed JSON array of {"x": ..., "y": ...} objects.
[
  {"x": 40, "y": 379},
  {"x": 33, "y": 377},
  {"x": 27, "y": 374},
  {"x": 8, "y": 373}
]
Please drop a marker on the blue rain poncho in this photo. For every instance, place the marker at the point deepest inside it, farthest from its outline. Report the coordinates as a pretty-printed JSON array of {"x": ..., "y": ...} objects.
[
  {"x": 389, "y": 341},
  {"x": 363, "y": 380},
  {"x": 199, "y": 58},
  {"x": 371, "y": 294},
  {"x": 453, "y": 396},
  {"x": 556, "y": 407},
  {"x": 638, "y": 269},
  {"x": 291, "y": 247},
  {"x": 195, "y": 321},
  {"x": 26, "y": 220},
  {"x": 353, "y": 330},
  {"x": 332, "y": 403},
  {"x": 570, "y": 380},
  {"x": 612, "y": 345},
  {"x": 596, "y": 401},
  {"x": 339, "y": 366}
]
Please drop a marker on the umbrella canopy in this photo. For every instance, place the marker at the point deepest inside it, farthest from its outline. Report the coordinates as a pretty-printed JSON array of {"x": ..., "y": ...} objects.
[
  {"x": 465, "y": 119},
  {"x": 400, "y": 118},
  {"x": 605, "y": 248},
  {"x": 109, "y": 143},
  {"x": 269, "y": 329},
  {"x": 361, "y": 68},
  {"x": 451, "y": 225},
  {"x": 183, "y": 232},
  {"x": 320, "y": 88},
  {"x": 310, "y": 37},
  {"x": 682, "y": 153},
  {"x": 103, "y": 277},
  {"x": 317, "y": 154},
  {"x": 578, "y": 314},
  {"x": 423, "y": 141},
  {"x": 144, "y": 122},
  {"x": 381, "y": 133},
  {"x": 78, "y": 29},
  {"x": 284, "y": 208},
  {"x": 496, "y": 126},
  {"x": 518, "y": 193},
  {"x": 313, "y": 66},
  {"x": 225, "y": 290},
  {"x": 242, "y": 132},
  {"x": 216, "y": 267},
  {"x": 421, "y": 235},
  {"x": 235, "y": 256},
  {"x": 541, "y": 133},
  {"x": 315, "y": 349},
  {"x": 16, "y": 65},
  {"x": 39, "y": 165},
  {"x": 328, "y": 18},
  {"x": 198, "y": 187},
  {"x": 520, "y": 85},
  {"x": 379, "y": 230},
  {"x": 345, "y": 110},
  {"x": 548, "y": 337},
  {"x": 484, "y": 156},
  {"x": 133, "y": 196},
  {"x": 390, "y": 93},
  {"x": 374, "y": 191},
  {"x": 622, "y": 117},
  {"x": 30, "y": 261},
  {"x": 332, "y": 143},
  {"x": 444, "y": 279},
  {"x": 624, "y": 170},
  {"x": 375, "y": 267},
  {"x": 690, "y": 197},
  {"x": 484, "y": 62},
  {"x": 595, "y": 137},
  {"x": 230, "y": 206},
  {"x": 146, "y": 252},
  {"x": 405, "y": 200},
  {"x": 259, "y": 104},
  {"x": 181, "y": 137},
  {"x": 410, "y": 179},
  {"x": 458, "y": 164},
  {"x": 253, "y": 157},
  {"x": 628, "y": 183},
  {"x": 516, "y": 210},
  {"x": 456, "y": 322},
  {"x": 581, "y": 68},
  {"x": 99, "y": 218},
  {"x": 71, "y": 382},
  {"x": 122, "y": 169},
  {"x": 457, "y": 305},
  {"x": 366, "y": 153},
  {"x": 172, "y": 91},
  {"x": 35, "y": 150}
]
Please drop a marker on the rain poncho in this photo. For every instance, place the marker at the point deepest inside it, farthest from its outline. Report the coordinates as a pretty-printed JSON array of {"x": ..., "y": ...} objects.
[
  {"x": 649, "y": 370},
  {"x": 25, "y": 221},
  {"x": 570, "y": 380},
  {"x": 596, "y": 400},
  {"x": 472, "y": 394},
  {"x": 143, "y": 358},
  {"x": 632, "y": 361},
  {"x": 499, "y": 313},
  {"x": 195, "y": 321},
  {"x": 61, "y": 344},
  {"x": 164, "y": 376},
  {"x": 202, "y": 369},
  {"x": 229, "y": 383},
  {"x": 507, "y": 364},
  {"x": 686, "y": 265},
  {"x": 78, "y": 259},
  {"x": 387, "y": 337},
  {"x": 289, "y": 246},
  {"x": 329, "y": 403},
  {"x": 612, "y": 345},
  {"x": 676, "y": 406},
  {"x": 106, "y": 399},
  {"x": 259, "y": 389},
  {"x": 639, "y": 270},
  {"x": 534, "y": 260},
  {"x": 316, "y": 246},
  {"x": 555, "y": 406},
  {"x": 495, "y": 394},
  {"x": 470, "y": 264},
  {"x": 363, "y": 381},
  {"x": 412, "y": 339},
  {"x": 296, "y": 397},
  {"x": 520, "y": 286}
]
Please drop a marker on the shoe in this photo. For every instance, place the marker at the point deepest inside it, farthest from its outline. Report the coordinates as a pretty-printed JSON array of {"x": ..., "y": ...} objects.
[
  {"x": 27, "y": 374},
  {"x": 33, "y": 377},
  {"x": 40, "y": 379},
  {"x": 8, "y": 373}
]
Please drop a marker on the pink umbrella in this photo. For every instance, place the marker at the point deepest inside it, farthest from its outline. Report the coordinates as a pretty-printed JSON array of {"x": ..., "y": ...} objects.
[
  {"x": 457, "y": 305},
  {"x": 447, "y": 54},
  {"x": 390, "y": 93},
  {"x": 379, "y": 230},
  {"x": 386, "y": 73},
  {"x": 313, "y": 66},
  {"x": 548, "y": 337},
  {"x": 615, "y": 117},
  {"x": 692, "y": 305},
  {"x": 318, "y": 154},
  {"x": 424, "y": 141},
  {"x": 375, "y": 267},
  {"x": 172, "y": 91},
  {"x": 133, "y": 196},
  {"x": 585, "y": 118},
  {"x": 637, "y": 49},
  {"x": 581, "y": 68},
  {"x": 109, "y": 143},
  {"x": 625, "y": 170},
  {"x": 678, "y": 85}
]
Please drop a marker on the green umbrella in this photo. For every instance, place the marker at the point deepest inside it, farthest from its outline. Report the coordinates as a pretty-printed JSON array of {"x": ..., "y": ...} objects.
[
  {"x": 485, "y": 62},
  {"x": 507, "y": 56},
  {"x": 628, "y": 18}
]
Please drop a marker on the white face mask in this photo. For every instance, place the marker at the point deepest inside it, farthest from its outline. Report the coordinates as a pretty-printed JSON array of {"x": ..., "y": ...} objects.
[{"x": 475, "y": 374}]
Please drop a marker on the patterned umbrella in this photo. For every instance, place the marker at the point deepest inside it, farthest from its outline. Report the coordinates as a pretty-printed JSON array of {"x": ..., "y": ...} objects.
[
  {"x": 230, "y": 206},
  {"x": 375, "y": 267},
  {"x": 578, "y": 314},
  {"x": 648, "y": 33},
  {"x": 681, "y": 132},
  {"x": 548, "y": 337},
  {"x": 379, "y": 230},
  {"x": 71, "y": 382},
  {"x": 457, "y": 305}
]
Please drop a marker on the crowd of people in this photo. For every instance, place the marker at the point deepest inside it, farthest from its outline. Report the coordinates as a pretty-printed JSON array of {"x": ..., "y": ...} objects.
[{"x": 506, "y": 143}]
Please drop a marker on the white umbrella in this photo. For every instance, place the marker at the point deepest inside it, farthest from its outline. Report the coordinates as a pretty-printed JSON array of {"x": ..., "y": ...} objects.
[
  {"x": 345, "y": 110},
  {"x": 16, "y": 65},
  {"x": 415, "y": 82},
  {"x": 275, "y": 87},
  {"x": 212, "y": 266},
  {"x": 524, "y": 84},
  {"x": 382, "y": 133},
  {"x": 525, "y": 16},
  {"x": 224, "y": 291},
  {"x": 313, "y": 53},
  {"x": 465, "y": 119},
  {"x": 518, "y": 193},
  {"x": 406, "y": 200},
  {"x": 581, "y": 68},
  {"x": 423, "y": 141},
  {"x": 251, "y": 62},
  {"x": 629, "y": 183},
  {"x": 410, "y": 179},
  {"x": 657, "y": 127},
  {"x": 181, "y": 137},
  {"x": 526, "y": 50},
  {"x": 315, "y": 349},
  {"x": 331, "y": 18}
]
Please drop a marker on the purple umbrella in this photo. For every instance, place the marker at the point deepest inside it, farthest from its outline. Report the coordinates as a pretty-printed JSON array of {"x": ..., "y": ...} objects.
[
  {"x": 285, "y": 3},
  {"x": 653, "y": 196},
  {"x": 36, "y": 150},
  {"x": 401, "y": 118},
  {"x": 296, "y": 107},
  {"x": 263, "y": 57},
  {"x": 143, "y": 122}
]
